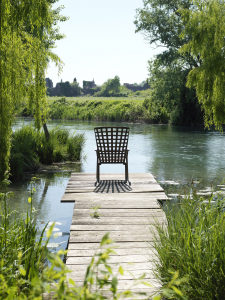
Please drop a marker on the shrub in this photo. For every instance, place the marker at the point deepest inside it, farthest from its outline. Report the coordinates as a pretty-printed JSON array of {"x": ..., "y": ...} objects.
[
  {"x": 30, "y": 148},
  {"x": 74, "y": 147}
]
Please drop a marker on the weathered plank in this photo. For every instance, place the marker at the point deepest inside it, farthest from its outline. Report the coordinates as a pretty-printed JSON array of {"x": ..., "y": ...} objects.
[
  {"x": 136, "y": 189},
  {"x": 86, "y": 220},
  {"x": 121, "y": 245},
  {"x": 71, "y": 197},
  {"x": 149, "y": 265},
  {"x": 82, "y": 260},
  {"x": 118, "y": 252},
  {"x": 110, "y": 227},
  {"x": 115, "y": 237}
]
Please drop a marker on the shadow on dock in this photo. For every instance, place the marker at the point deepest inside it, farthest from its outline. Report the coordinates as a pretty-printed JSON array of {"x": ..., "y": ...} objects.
[{"x": 112, "y": 186}]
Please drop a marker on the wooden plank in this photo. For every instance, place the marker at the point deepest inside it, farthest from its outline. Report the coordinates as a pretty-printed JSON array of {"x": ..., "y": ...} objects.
[
  {"x": 110, "y": 182},
  {"x": 84, "y": 220},
  {"x": 71, "y": 197},
  {"x": 121, "y": 245},
  {"x": 111, "y": 227},
  {"x": 113, "y": 206},
  {"x": 79, "y": 276},
  {"x": 100, "y": 233},
  {"x": 114, "y": 259},
  {"x": 142, "y": 189},
  {"x": 115, "y": 237},
  {"x": 115, "y": 266},
  {"x": 118, "y": 252},
  {"x": 132, "y": 285}
]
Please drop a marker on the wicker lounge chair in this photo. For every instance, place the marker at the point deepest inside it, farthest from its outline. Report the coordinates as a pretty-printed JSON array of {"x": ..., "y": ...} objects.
[{"x": 112, "y": 147}]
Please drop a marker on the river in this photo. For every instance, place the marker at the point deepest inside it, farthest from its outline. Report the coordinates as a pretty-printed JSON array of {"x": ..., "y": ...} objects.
[{"x": 180, "y": 158}]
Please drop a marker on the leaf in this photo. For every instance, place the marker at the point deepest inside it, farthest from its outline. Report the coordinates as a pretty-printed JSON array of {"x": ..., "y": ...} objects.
[
  {"x": 121, "y": 270},
  {"x": 104, "y": 239},
  {"x": 109, "y": 269},
  {"x": 22, "y": 271},
  {"x": 114, "y": 283},
  {"x": 49, "y": 231},
  {"x": 20, "y": 254},
  {"x": 71, "y": 281},
  {"x": 178, "y": 292},
  {"x": 157, "y": 297}
]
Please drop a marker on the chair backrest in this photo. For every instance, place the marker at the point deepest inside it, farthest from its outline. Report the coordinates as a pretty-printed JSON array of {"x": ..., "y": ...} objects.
[{"x": 112, "y": 144}]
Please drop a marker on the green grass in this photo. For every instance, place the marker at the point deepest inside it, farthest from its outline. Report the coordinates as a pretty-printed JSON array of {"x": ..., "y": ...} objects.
[
  {"x": 29, "y": 148},
  {"x": 193, "y": 243}
]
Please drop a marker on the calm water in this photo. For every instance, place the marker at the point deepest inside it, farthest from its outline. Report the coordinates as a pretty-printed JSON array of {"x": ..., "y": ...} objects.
[{"x": 176, "y": 154}]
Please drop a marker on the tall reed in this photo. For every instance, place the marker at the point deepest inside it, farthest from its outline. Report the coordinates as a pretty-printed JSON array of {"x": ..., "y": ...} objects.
[{"x": 193, "y": 243}]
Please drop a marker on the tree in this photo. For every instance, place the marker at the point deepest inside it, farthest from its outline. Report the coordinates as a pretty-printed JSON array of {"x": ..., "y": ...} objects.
[
  {"x": 75, "y": 88},
  {"x": 161, "y": 24},
  {"x": 111, "y": 86},
  {"x": 27, "y": 36},
  {"x": 206, "y": 26}
]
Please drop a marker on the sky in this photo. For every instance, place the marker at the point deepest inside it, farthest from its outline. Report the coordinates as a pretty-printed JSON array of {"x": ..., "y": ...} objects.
[{"x": 101, "y": 43}]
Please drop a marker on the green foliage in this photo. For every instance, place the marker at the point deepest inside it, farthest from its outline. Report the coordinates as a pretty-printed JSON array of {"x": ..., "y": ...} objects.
[
  {"x": 206, "y": 27},
  {"x": 155, "y": 112},
  {"x": 30, "y": 147},
  {"x": 169, "y": 90},
  {"x": 161, "y": 24},
  {"x": 25, "y": 273},
  {"x": 22, "y": 254},
  {"x": 193, "y": 243},
  {"x": 108, "y": 110},
  {"x": 27, "y": 35},
  {"x": 110, "y": 88}
]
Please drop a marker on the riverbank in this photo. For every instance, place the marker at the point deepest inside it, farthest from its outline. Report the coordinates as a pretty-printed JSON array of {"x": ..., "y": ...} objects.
[{"x": 132, "y": 109}]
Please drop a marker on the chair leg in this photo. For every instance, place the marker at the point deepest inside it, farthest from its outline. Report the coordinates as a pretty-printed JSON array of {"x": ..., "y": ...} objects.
[
  {"x": 97, "y": 173},
  {"x": 126, "y": 172}
]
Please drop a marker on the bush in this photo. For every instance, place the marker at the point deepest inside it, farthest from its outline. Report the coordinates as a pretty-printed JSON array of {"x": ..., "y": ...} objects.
[
  {"x": 30, "y": 148},
  {"x": 194, "y": 243}
]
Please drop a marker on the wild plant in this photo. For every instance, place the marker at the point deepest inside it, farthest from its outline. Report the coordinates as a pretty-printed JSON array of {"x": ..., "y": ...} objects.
[
  {"x": 22, "y": 254},
  {"x": 96, "y": 213},
  {"x": 193, "y": 243}
]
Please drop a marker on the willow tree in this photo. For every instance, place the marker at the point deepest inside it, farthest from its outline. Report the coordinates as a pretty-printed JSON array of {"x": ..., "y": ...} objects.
[
  {"x": 27, "y": 36},
  {"x": 206, "y": 26}
]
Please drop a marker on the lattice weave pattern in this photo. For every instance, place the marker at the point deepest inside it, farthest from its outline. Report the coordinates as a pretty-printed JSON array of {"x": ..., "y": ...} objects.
[{"x": 112, "y": 144}]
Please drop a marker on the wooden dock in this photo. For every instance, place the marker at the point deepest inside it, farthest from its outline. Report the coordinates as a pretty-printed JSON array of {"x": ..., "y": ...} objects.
[{"x": 127, "y": 212}]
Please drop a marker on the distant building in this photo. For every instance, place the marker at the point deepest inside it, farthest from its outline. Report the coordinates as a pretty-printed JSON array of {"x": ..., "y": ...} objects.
[
  {"x": 136, "y": 88},
  {"x": 62, "y": 88},
  {"x": 89, "y": 84},
  {"x": 49, "y": 83}
]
